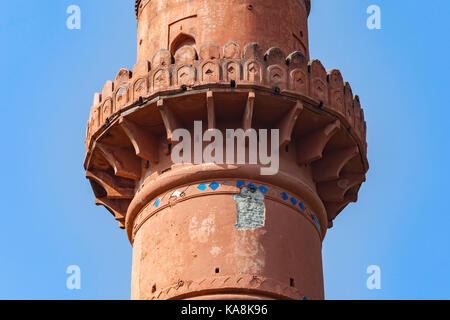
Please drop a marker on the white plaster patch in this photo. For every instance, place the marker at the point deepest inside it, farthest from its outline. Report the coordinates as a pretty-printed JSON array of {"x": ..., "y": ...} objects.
[
  {"x": 200, "y": 231},
  {"x": 248, "y": 252},
  {"x": 215, "y": 251}
]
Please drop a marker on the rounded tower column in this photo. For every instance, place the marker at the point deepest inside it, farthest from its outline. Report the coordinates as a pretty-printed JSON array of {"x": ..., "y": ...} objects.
[
  {"x": 170, "y": 24},
  {"x": 224, "y": 227}
]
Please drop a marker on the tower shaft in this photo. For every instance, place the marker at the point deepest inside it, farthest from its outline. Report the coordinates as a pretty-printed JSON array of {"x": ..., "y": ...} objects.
[
  {"x": 171, "y": 24},
  {"x": 215, "y": 228}
]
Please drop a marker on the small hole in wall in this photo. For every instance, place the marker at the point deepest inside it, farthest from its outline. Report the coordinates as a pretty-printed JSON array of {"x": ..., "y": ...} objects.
[
  {"x": 217, "y": 270},
  {"x": 140, "y": 42},
  {"x": 291, "y": 282},
  {"x": 250, "y": 7},
  {"x": 301, "y": 34},
  {"x": 286, "y": 148},
  {"x": 154, "y": 288},
  {"x": 233, "y": 83}
]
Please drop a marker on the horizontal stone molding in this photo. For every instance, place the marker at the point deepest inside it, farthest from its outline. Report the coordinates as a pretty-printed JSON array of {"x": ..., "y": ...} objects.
[
  {"x": 244, "y": 283},
  {"x": 140, "y": 4},
  {"x": 230, "y": 187},
  {"x": 191, "y": 174}
]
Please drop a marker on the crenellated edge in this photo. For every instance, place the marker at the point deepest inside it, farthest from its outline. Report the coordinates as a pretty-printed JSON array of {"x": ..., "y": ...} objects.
[
  {"x": 248, "y": 69},
  {"x": 251, "y": 68}
]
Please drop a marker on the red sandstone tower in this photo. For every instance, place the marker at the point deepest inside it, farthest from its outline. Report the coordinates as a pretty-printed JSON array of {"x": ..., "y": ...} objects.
[{"x": 230, "y": 64}]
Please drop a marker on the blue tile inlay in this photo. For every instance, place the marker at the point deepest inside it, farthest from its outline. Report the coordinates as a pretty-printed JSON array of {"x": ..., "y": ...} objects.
[
  {"x": 302, "y": 206},
  {"x": 293, "y": 201},
  {"x": 284, "y": 196},
  {"x": 252, "y": 187},
  {"x": 157, "y": 203},
  {"x": 202, "y": 187},
  {"x": 305, "y": 298},
  {"x": 214, "y": 186},
  {"x": 263, "y": 189},
  {"x": 316, "y": 221},
  {"x": 240, "y": 184}
]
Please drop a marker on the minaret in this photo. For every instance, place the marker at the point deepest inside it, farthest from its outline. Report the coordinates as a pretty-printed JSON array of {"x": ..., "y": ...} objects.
[{"x": 206, "y": 230}]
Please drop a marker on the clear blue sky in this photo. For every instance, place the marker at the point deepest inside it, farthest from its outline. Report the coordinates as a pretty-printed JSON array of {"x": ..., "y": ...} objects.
[{"x": 49, "y": 75}]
